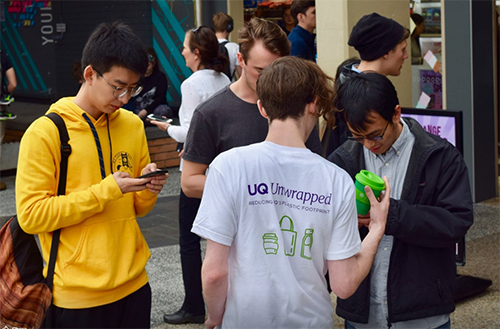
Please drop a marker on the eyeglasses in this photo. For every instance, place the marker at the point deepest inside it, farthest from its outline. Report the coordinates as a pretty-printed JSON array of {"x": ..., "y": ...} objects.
[
  {"x": 119, "y": 92},
  {"x": 373, "y": 138}
]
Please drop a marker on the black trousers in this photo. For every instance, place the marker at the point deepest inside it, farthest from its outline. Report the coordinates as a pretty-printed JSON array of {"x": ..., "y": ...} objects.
[
  {"x": 133, "y": 311},
  {"x": 190, "y": 251}
]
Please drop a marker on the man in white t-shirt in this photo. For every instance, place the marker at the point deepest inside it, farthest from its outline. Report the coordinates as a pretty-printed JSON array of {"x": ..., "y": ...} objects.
[
  {"x": 277, "y": 216},
  {"x": 223, "y": 24}
]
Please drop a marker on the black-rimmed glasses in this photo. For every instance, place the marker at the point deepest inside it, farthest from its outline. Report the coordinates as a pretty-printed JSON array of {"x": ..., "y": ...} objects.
[
  {"x": 373, "y": 138},
  {"x": 119, "y": 92}
]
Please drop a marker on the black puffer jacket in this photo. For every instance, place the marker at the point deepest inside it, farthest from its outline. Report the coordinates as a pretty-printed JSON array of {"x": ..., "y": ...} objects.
[{"x": 433, "y": 214}]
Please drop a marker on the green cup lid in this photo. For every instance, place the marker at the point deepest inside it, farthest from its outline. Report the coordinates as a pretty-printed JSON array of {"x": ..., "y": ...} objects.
[{"x": 368, "y": 178}]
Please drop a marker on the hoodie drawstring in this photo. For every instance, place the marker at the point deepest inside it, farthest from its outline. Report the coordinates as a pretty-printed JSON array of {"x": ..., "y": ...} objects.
[{"x": 98, "y": 145}]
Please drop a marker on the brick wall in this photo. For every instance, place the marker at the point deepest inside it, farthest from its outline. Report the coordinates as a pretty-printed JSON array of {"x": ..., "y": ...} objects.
[
  {"x": 163, "y": 152},
  {"x": 12, "y": 136}
]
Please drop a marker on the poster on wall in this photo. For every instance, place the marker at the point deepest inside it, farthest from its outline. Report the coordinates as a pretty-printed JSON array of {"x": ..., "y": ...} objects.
[
  {"x": 431, "y": 83},
  {"x": 440, "y": 123}
]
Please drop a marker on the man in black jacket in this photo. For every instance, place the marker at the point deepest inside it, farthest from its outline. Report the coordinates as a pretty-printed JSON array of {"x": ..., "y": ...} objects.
[{"x": 412, "y": 281}]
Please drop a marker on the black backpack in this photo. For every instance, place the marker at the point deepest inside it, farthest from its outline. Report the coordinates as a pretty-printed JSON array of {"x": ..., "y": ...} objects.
[
  {"x": 25, "y": 295},
  {"x": 223, "y": 52}
]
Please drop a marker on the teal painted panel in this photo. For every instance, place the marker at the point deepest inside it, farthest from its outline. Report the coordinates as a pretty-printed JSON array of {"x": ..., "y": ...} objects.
[
  {"x": 25, "y": 56},
  {"x": 170, "y": 20},
  {"x": 171, "y": 45}
]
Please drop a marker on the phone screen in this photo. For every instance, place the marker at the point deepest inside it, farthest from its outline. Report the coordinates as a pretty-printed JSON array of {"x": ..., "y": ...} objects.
[
  {"x": 152, "y": 117},
  {"x": 155, "y": 173}
]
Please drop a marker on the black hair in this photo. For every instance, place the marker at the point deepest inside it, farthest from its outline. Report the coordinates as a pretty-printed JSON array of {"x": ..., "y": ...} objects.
[
  {"x": 363, "y": 94},
  {"x": 417, "y": 19},
  {"x": 345, "y": 66},
  {"x": 152, "y": 53},
  {"x": 115, "y": 44},
  {"x": 301, "y": 7}
]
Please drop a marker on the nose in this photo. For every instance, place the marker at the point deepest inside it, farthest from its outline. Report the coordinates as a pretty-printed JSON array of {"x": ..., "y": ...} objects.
[
  {"x": 125, "y": 98},
  {"x": 369, "y": 144}
]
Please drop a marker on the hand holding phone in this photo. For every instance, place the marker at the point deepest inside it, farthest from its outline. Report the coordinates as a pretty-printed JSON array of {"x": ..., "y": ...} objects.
[
  {"x": 154, "y": 117},
  {"x": 158, "y": 172}
]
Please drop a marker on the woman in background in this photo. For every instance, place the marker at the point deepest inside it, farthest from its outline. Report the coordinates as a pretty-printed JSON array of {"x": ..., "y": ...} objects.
[
  {"x": 288, "y": 22},
  {"x": 153, "y": 97},
  {"x": 201, "y": 52},
  {"x": 416, "y": 54}
]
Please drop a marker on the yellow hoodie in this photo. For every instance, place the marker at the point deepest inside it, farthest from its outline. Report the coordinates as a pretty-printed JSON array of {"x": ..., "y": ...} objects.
[{"x": 102, "y": 252}]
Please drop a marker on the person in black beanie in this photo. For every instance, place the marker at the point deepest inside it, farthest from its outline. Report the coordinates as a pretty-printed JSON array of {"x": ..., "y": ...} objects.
[{"x": 381, "y": 43}]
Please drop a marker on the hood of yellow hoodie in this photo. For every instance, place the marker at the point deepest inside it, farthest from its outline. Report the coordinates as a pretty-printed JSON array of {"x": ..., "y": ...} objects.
[
  {"x": 73, "y": 114},
  {"x": 117, "y": 153}
]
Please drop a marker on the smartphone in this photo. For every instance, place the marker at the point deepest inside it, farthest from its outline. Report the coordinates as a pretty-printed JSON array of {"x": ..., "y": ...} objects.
[
  {"x": 153, "y": 117},
  {"x": 162, "y": 171}
]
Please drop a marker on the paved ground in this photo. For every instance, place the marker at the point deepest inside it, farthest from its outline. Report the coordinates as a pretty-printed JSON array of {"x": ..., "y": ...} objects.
[{"x": 160, "y": 229}]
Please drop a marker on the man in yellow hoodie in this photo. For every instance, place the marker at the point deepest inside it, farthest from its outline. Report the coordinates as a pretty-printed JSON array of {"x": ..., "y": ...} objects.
[{"x": 100, "y": 278}]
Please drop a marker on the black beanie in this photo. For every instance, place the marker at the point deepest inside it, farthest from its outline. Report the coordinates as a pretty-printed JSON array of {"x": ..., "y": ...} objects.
[{"x": 373, "y": 36}]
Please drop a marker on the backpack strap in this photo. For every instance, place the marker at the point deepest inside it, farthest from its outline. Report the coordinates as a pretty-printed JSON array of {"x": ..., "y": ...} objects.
[
  {"x": 223, "y": 51},
  {"x": 61, "y": 190}
]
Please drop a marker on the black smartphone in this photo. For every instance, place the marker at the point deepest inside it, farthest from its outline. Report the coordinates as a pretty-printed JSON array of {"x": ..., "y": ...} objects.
[
  {"x": 162, "y": 171},
  {"x": 153, "y": 117}
]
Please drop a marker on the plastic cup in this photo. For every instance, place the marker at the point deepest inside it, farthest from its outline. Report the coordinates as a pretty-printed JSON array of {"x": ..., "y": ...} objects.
[{"x": 366, "y": 178}]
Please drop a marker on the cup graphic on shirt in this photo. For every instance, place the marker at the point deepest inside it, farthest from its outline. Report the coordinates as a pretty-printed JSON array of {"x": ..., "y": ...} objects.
[
  {"x": 270, "y": 243},
  {"x": 289, "y": 235},
  {"x": 366, "y": 178}
]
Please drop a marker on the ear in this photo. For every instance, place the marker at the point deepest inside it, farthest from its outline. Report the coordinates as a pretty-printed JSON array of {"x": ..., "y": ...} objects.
[
  {"x": 300, "y": 17},
  {"x": 396, "y": 117},
  {"x": 197, "y": 53},
  {"x": 262, "y": 110},
  {"x": 312, "y": 107},
  {"x": 240, "y": 59},
  {"x": 88, "y": 75}
]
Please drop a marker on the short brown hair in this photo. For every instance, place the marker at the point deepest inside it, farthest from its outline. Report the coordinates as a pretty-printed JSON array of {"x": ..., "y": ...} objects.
[
  {"x": 290, "y": 83},
  {"x": 270, "y": 34},
  {"x": 300, "y": 7},
  {"x": 220, "y": 22},
  {"x": 406, "y": 35}
]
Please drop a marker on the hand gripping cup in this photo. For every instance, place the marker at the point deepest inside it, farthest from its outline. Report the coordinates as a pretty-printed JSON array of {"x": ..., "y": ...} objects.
[{"x": 377, "y": 184}]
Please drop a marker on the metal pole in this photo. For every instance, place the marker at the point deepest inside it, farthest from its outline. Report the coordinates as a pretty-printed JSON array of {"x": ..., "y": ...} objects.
[{"x": 199, "y": 12}]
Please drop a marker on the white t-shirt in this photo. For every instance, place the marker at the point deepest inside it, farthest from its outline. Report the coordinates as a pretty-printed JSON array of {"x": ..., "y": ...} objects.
[
  {"x": 232, "y": 52},
  {"x": 276, "y": 271}
]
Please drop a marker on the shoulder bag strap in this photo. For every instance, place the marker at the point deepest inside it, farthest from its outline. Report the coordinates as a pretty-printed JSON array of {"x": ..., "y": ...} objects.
[{"x": 61, "y": 190}]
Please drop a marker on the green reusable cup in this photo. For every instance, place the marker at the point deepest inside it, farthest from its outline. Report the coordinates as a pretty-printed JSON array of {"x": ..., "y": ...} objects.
[{"x": 377, "y": 184}]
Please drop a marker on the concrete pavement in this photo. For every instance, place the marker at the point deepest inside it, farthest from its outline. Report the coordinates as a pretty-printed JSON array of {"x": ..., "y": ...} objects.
[{"x": 160, "y": 229}]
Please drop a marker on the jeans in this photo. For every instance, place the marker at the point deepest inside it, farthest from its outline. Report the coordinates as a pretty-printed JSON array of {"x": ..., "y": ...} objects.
[{"x": 190, "y": 251}]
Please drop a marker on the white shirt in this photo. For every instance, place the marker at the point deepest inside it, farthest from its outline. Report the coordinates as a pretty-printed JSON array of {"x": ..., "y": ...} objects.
[
  {"x": 284, "y": 212},
  {"x": 196, "y": 89}
]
